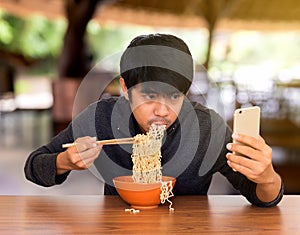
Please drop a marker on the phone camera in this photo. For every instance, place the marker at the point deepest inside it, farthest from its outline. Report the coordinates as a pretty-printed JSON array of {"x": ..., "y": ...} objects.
[{"x": 240, "y": 111}]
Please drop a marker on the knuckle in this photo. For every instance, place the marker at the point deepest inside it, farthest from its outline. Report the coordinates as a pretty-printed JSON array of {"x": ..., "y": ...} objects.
[
  {"x": 250, "y": 140},
  {"x": 268, "y": 161},
  {"x": 95, "y": 151},
  {"x": 246, "y": 151},
  {"x": 82, "y": 146},
  {"x": 234, "y": 147},
  {"x": 269, "y": 150},
  {"x": 81, "y": 165},
  {"x": 73, "y": 160}
]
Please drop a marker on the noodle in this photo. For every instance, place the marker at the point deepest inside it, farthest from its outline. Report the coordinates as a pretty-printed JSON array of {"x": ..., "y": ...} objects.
[
  {"x": 166, "y": 192},
  {"x": 146, "y": 158},
  {"x": 131, "y": 210}
]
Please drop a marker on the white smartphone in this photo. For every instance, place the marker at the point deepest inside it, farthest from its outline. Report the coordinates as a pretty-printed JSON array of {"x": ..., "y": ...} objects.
[{"x": 247, "y": 121}]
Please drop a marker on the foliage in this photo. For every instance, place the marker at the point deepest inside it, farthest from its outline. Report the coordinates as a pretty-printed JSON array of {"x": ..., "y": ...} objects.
[
  {"x": 274, "y": 51},
  {"x": 41, "y": 39},
  {"x": 34, "y": 37},
  {"x": 258, "y": 47}
]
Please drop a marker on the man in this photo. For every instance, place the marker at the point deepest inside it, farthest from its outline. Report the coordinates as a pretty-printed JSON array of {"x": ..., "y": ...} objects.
[{"x": 156, "y": 73}]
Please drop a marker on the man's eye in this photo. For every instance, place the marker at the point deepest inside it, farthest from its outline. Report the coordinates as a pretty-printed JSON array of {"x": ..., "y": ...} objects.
[
  {"x": 175, "y": 96},
  {"x": 151, "y": 96}
]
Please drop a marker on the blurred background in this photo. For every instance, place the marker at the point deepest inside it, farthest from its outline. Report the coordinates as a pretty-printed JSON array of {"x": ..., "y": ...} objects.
[{"x": 247, "y": 52}]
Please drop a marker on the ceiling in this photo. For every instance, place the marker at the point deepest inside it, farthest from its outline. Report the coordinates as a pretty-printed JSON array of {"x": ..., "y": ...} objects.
[{"x": 224, "y": 14}]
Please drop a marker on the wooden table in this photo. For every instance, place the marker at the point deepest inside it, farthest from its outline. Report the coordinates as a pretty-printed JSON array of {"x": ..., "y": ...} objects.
[{"x": 106, "y": 215}]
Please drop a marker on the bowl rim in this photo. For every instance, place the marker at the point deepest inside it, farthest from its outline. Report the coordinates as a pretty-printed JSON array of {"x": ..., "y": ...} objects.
[{"x": 125, "y": 182}]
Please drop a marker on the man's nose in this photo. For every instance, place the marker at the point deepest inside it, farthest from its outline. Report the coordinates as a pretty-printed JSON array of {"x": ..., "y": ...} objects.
[{"x": 162, "y": 109}]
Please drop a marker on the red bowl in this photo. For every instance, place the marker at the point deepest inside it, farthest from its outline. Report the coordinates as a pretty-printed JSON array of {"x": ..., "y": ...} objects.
[{"x": 140, "y": 195}]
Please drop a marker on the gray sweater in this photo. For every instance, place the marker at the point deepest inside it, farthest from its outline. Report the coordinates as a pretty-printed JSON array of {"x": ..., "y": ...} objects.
[{"x": 193, "y": 149}]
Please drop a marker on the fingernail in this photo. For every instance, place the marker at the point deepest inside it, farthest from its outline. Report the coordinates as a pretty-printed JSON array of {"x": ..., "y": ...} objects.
[
  {"x": 228, "y": 163},
  {"x": 94, "y": 145},
  {"x": 229, "y": 146},
  {"x": 235, "y": 136}
]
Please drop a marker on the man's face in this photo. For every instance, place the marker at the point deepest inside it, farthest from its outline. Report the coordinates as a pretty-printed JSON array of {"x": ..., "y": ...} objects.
[{"x": 149, "y": 106}]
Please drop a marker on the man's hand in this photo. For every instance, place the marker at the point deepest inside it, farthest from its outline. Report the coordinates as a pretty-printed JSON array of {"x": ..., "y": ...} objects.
[
  {"x": 78, "y": 157},
  {"x": 256, "y": 164}
]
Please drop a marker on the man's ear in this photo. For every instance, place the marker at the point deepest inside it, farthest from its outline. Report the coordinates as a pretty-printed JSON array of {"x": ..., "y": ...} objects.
[{"x": 124, "y": 88}]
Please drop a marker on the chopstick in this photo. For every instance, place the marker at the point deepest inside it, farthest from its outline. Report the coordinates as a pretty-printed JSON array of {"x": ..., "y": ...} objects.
[{"x": 129, "y": 140}]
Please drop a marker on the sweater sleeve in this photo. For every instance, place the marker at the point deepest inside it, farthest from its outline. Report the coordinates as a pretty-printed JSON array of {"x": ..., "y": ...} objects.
[
  {"x": 246, "y": 187},
  {"x": 40, "y": 166}
]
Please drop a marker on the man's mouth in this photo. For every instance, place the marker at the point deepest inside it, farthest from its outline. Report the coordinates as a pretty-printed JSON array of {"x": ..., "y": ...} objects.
[
  {"x": 163, "y": 121},
  {"x": 160, "y": 123}
]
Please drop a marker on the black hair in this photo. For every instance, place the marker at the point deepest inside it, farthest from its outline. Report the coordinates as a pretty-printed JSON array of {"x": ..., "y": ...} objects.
[{"x": 163, "y": 58}]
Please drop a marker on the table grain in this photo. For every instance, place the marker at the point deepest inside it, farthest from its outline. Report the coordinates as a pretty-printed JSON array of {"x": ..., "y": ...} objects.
[{"x": 100, "y": 214}]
